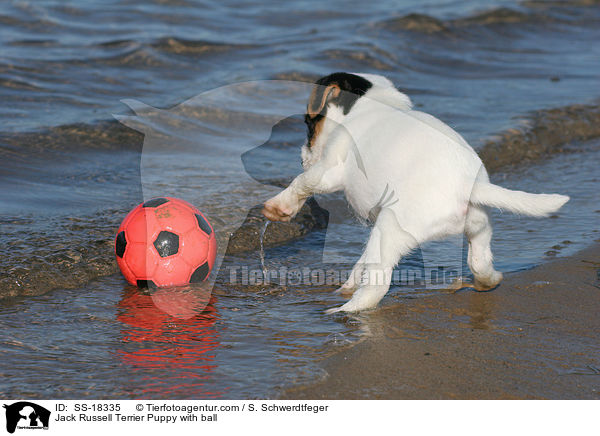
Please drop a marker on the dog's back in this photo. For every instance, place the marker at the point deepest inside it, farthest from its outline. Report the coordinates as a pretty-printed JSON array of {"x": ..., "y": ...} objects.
[{"x": 426, "y": 167}]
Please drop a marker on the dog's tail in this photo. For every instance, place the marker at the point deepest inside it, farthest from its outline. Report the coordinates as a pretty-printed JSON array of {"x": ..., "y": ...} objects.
[{"x": 519, "y": 202}]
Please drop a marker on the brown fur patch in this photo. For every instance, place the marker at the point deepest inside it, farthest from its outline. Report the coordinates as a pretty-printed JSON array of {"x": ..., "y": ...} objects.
[
  {"x": 318, "y": 126},
  {"x": 319, "y": 97}
]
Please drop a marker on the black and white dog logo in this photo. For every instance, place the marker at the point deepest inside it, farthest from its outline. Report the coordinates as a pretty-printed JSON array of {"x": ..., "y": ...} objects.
[{"x": 26, "y": 415}]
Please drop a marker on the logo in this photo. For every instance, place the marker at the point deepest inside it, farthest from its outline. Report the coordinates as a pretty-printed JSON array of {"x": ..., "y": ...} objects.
[{"x": 26, "y": 415}]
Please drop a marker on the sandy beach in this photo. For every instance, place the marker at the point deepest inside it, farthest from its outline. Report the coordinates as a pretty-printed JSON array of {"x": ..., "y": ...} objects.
[{"x": 537, "y": 336}]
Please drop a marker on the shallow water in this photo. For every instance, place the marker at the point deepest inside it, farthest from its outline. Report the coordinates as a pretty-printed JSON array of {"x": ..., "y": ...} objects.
[
  {"x": 111, "y": 341},
  {"x": 68, "y": 175}
]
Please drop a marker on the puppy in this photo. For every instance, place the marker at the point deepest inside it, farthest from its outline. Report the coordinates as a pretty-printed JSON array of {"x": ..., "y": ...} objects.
[{"x": 407, "y": 172}]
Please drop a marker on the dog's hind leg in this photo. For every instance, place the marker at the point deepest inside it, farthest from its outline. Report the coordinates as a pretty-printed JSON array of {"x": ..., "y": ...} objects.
[
  {"x": 480, "y": 259},
  {"x": 386, "y": 200},
  {"x": 387, "y": 243}
]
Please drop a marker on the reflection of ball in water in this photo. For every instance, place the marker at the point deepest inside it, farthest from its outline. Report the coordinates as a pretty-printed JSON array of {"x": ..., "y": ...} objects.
[{"x": 165, "y": 242}]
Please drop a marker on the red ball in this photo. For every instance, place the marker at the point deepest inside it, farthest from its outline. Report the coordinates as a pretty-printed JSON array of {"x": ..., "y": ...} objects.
[{"x": 165, "y": 242}]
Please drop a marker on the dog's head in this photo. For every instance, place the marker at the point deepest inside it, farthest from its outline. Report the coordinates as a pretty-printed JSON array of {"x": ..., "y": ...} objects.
[
  {"x": 335, "y": 97},
  {"x": 331, "y": 99}
]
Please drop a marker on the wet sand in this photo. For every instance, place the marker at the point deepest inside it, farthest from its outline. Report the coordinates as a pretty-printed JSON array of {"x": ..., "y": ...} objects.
[{"x": 537, "y": 336}]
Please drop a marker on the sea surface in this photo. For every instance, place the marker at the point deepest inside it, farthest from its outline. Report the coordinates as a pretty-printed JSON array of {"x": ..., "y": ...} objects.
[{"x": 108, "y": 103}]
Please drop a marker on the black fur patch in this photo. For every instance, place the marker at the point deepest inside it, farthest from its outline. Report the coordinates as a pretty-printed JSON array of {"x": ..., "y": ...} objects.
[
  {"x": 352, "y": 87},
  {"x": 311, "y": 123}
]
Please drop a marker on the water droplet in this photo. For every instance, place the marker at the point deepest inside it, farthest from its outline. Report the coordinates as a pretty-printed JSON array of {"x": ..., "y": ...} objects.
[{"x": 262, "y": 251}]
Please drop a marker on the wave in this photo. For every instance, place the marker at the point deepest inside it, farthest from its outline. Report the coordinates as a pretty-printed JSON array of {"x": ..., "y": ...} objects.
[
  {"x": 19, "y": 85},
  {"x": 532, "y": 12},
  {"x": 158, "y": 53},
  {"x": 415, "y": 22},
  {"x": 298, "y": 76},
  {"x": 544, "y": 132},
  {"x": 170, "y": 44},
  {"x": 194, "y": 47},
  {"x": 108, "y": 135},
  {"x": 56, "y": 253},
  {"x": 345, "y": 59},
  {"x": 35, "y": 24}
]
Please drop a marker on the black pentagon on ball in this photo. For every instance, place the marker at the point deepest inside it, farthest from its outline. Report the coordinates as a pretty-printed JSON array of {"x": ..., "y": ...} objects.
[
  {"x": 200, "y": 274},
  {"x": 203, "y": 224},
  {"x": 146, "y": 284},
  {"x": 120, "y": 244},
  {"x": 167, "y": 244},
  {"x": 155, "y": 202}
]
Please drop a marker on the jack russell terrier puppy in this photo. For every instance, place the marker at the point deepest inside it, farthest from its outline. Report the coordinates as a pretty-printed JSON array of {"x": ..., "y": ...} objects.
[{"x": 407, "y": 172}]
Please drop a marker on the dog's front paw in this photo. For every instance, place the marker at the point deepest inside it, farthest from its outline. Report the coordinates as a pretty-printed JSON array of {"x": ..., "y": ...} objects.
[
  {"x": 275, "y": 212},
  {"x": 283, "y": 207}
]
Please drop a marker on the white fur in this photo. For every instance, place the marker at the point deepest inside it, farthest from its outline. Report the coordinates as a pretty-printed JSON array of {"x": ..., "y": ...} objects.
[{"x": 414, "y": 176}]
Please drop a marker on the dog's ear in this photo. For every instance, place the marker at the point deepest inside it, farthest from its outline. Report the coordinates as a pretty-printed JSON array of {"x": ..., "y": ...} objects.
[{"x": 320, "y": 96}]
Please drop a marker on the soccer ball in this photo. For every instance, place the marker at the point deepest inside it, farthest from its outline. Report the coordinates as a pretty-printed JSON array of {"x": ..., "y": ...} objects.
[{"x": 165, "y": 242}]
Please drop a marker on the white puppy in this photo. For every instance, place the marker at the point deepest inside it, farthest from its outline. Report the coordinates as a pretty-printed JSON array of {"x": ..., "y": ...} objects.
[{"x": 413, "y": 176}]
